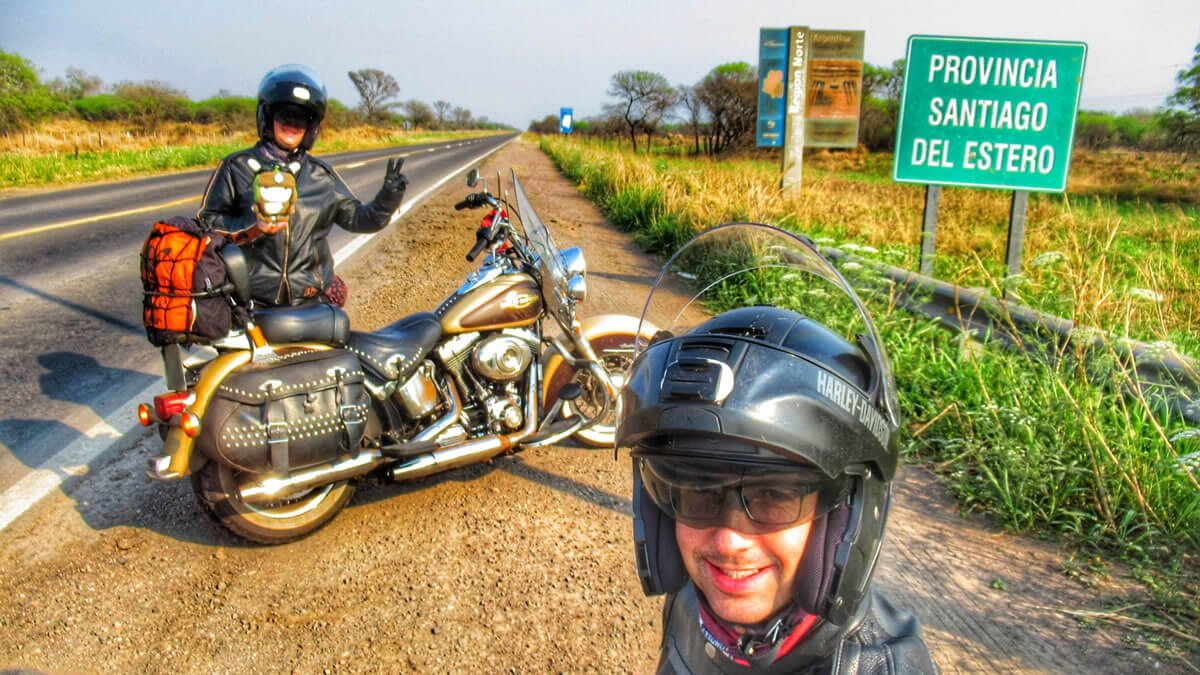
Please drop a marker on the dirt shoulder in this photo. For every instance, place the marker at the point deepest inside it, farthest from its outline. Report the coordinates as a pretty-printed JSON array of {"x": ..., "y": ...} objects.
[{"x": 523, "y": 564}]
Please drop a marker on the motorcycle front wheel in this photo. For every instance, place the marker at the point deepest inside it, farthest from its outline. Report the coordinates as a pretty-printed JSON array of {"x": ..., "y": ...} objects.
[
  {"x": 292, "y": 518},
  {"x": 616, "y": 353}
]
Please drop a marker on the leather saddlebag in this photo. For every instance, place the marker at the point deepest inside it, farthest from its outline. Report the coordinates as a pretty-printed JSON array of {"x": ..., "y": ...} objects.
[{"x": 298, "y": 410}]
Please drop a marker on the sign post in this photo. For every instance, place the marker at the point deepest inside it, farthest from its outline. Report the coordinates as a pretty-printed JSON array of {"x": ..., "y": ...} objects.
[
  {"x": 565, "y": 120},
  {"x": 988, "y": 113},
  {"x": 797, "y": 90}
]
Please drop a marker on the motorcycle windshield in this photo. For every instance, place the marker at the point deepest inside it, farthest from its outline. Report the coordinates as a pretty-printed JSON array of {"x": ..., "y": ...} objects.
[
  {"x": 747, "y": 264},
  {"x": 554, "y": 277}
]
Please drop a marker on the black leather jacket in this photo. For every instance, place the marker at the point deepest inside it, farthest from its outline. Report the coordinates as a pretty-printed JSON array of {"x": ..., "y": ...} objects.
[
  {"x": 884, "y": 640},
  {"x": 294, "y": 265}
]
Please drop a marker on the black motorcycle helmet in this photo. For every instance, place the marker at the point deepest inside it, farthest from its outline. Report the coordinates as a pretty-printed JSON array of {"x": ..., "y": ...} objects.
[
  {"x": 291, "y": 85},
  {"x": 762, "y": 389}
]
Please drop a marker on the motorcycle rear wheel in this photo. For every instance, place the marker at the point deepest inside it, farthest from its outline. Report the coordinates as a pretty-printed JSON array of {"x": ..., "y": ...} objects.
[
  {"x": 216, "y": 487},
  {"x": 616, "y": 352}
]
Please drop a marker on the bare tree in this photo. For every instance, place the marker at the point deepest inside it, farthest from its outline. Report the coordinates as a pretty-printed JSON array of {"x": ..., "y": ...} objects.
[
  {"x": 644, "y": 98},
  {"x": 419, "y": 113},
  {"x": 462, "y": 117},
  {"x": 695, "y": 110},
  {"x": 77, "y": 85},
  {"x": 730, "y": 95},
  {"x": 376, "y": 89},
  {"x": 442, "y": 108}
]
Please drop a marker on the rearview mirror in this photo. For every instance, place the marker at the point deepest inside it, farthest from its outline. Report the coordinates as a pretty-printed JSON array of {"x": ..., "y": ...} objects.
[{"x": 472, "y": 177}]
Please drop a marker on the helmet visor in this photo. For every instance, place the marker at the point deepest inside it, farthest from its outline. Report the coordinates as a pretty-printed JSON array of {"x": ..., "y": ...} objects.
[
  {"x": 747, "y": 264},
  {"x": 699, "y": 493}
]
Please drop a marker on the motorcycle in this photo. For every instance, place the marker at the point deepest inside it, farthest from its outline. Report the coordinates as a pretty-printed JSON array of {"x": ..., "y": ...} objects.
[{"x": 278, "y": 422}]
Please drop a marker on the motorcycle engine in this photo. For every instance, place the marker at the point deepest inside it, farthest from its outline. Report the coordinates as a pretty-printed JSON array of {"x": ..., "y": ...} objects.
[{"x": 501, "y": 358}]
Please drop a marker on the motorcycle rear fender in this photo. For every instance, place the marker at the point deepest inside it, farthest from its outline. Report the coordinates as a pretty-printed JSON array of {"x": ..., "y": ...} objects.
[
  {"x": 593, "y": 328},
  {"x": 176, "y": 458}
]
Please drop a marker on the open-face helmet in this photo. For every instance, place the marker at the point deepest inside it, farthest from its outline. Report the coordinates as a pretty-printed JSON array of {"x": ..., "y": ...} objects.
[
  {"x": 296, "y": 91},
  {"x": 761, "y": 391}
]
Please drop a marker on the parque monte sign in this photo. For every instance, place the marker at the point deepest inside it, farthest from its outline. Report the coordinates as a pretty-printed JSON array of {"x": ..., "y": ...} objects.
[{"x": 988, "y": 112}]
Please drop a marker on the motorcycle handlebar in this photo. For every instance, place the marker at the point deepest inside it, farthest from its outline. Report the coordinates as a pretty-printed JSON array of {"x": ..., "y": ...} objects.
[
  {"x": 481, "y": 242},
  {"x": 473, "y": 201}
]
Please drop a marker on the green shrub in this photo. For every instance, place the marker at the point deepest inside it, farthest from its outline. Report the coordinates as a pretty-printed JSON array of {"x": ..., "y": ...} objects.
[{"x": 104, "y": 108}]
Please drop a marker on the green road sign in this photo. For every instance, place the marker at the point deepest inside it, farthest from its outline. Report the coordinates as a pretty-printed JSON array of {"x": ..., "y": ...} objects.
[{"x": 988, "y": 113}]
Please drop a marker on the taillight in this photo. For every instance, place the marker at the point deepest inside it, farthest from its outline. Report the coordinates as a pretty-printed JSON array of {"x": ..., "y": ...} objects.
[
  {"x": 171, "y": 403},
  {"x": 145, "y": 414}
]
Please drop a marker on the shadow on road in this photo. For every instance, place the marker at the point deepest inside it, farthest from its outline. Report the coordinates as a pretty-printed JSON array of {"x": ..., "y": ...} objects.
[
  {"x": 114, "y": 321},
  {"x": 71, "y": 378}
]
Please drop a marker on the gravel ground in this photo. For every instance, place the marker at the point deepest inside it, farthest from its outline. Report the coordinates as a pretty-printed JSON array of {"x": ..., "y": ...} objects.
[{"x": 523, "y": 564}]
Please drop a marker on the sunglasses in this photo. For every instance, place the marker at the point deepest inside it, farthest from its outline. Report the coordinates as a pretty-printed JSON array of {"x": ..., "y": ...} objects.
[
  {"x": 766, "y": 500},
  {"x": 296, "y": 118}
]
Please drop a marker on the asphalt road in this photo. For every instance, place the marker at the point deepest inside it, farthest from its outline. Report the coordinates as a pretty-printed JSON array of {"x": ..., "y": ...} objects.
[{"x": 72, "y": 348}]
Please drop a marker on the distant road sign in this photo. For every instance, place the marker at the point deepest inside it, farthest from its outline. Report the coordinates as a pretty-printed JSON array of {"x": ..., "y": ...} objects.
[
  {"x": 565, "y": 116},
  {"x": 772, "y": 86},
  {"x": 988, "y": 112}
]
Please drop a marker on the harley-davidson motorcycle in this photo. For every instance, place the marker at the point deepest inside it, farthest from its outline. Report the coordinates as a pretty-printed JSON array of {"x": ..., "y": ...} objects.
[{"x": 277, "y": 422}]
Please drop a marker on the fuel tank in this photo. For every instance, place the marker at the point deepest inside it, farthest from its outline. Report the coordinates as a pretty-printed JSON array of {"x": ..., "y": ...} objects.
[{"x": 509, "y": 301}]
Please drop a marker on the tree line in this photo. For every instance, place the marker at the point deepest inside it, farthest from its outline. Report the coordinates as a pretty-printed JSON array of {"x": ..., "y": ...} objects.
[
  {"x": 27, "y": 100},
  {"x": 720, "y": 112}
]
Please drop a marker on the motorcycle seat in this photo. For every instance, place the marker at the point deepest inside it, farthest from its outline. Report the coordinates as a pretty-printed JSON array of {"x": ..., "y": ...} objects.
[
  {"x": 395, "y": 351},
  {"x": 315, "y": 322}
]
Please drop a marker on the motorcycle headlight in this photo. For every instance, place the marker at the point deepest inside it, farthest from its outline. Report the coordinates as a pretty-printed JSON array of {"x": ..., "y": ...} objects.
[
  {"x": 577, "y": 287},
  {"x": 572, "y": 261}
]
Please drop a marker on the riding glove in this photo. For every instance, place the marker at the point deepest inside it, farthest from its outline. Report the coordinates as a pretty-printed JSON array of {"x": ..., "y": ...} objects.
[{"x": 393, "y": 180}]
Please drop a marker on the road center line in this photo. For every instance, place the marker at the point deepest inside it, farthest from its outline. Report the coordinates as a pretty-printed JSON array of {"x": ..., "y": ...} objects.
[
  {"x": 95, "y": 219},
  {"x": 131, "y": 212}
]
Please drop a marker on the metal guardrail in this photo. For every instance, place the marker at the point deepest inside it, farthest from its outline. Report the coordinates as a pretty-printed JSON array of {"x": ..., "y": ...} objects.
[{"x": 1163, "y": 376}]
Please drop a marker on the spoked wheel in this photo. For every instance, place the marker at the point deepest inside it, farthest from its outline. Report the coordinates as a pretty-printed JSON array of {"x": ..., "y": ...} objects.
[
  {"x": 616, "y": 353},
  {"x": 301, "y": 514}
]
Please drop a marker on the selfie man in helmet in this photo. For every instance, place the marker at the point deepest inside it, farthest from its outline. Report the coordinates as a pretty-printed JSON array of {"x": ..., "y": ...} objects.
[
  {"x": 764, "y": 446},
  {"x": 279, "y": 203}
]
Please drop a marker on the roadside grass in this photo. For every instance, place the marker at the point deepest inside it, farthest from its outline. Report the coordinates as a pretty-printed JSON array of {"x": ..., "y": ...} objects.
[
  {"x": 71, "y": 152},
  {"x": 1048, "y": 446}
]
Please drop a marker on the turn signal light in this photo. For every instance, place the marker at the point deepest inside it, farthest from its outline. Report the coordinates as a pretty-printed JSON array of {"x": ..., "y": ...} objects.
[
  {"x": 145, "y": 414},
  {"x": 190, "y": 424}
]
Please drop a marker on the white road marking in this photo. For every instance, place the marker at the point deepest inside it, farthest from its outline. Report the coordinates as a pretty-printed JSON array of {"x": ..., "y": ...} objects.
[{"x": 111, "y": 434}]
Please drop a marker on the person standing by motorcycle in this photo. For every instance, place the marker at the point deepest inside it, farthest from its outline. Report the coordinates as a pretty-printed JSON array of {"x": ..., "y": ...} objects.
[
  {"x": 763, "y": 450},
  {"x": 279, "y": 203}
]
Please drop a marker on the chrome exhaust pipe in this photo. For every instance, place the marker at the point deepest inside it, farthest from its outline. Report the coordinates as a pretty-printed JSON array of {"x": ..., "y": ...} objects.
[
  {"x": 273, "y": 488},
  {"x": 468, "y": 452}
]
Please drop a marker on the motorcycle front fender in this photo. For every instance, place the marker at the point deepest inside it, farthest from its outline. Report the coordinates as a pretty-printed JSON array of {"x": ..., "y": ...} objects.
[{"x": 556, "y": 372}]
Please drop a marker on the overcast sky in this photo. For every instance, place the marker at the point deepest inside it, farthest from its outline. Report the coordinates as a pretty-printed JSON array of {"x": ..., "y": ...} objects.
[{"x": 514, "y": 61}]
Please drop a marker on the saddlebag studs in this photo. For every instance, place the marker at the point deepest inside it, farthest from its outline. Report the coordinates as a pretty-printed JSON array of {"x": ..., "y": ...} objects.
[{"x": 318, "y": 415}]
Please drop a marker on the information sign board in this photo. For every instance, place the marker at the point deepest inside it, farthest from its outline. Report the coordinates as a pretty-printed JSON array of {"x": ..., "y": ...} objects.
[
  {"x": 988, "y": 112},
  {"x": 772, "y": 86}
]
